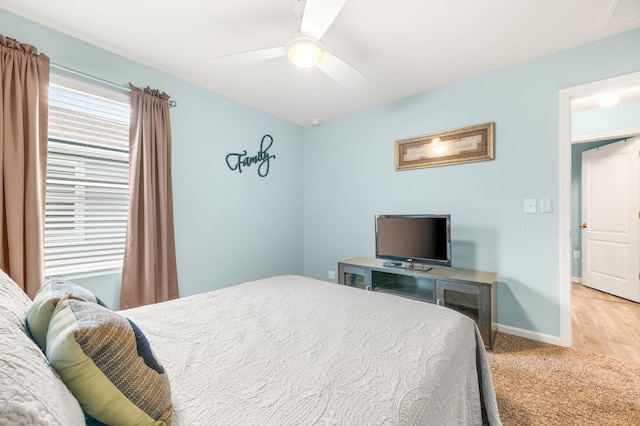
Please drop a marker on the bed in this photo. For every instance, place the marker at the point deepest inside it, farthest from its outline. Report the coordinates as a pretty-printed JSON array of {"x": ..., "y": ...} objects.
[{"x": 286, "y": 350}]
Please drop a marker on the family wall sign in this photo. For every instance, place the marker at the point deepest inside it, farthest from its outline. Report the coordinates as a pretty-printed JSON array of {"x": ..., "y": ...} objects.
[{"x": 238, "y": 160}]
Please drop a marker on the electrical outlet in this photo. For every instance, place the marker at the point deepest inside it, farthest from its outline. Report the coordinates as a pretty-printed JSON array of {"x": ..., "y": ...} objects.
[
  {"x": 331, "y": 275},
  {"x": 576, "y": 254},
  {"x": 530, "y": 205},
  {"x": 546, "y": 206}
]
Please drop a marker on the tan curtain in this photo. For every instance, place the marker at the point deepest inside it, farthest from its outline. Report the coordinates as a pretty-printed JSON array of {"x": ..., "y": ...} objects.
[
  {"x": 24, "y": 97},
  {"x": 149, "y": 272}
]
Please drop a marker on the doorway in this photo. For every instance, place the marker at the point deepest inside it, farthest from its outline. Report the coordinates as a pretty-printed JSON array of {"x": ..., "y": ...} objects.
[
  {"x": 565, "y": 190},
  {"x": 609, "y": 218}
]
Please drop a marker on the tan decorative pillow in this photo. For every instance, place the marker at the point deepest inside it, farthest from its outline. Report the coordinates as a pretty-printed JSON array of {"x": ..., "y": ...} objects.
[{"x": 107, "y": 363}]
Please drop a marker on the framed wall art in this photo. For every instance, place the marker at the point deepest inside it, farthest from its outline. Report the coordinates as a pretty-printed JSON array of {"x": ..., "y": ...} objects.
[{"x": 464, "y": 145}]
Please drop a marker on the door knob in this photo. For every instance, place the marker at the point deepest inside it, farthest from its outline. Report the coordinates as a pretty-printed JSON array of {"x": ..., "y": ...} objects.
[{"x": 583, "y": 225}]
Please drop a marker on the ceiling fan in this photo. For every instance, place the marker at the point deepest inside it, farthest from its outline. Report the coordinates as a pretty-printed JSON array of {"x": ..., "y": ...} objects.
[{"x": 304, "y": 48}]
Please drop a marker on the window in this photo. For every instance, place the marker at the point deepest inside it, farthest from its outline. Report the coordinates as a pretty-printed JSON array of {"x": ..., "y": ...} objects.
[{"x": 87, "y": 193}]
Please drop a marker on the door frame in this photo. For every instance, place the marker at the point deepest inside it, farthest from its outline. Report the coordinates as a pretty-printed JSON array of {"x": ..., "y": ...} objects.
[{"x": 564, "y": 194}]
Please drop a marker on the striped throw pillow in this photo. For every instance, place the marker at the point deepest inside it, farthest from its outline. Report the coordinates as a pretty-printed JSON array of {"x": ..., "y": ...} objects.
[{"x": 107, "y": 363}]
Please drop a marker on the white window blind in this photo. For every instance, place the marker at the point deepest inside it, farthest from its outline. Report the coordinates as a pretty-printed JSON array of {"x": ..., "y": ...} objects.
[{"x": 87, "y": 192}]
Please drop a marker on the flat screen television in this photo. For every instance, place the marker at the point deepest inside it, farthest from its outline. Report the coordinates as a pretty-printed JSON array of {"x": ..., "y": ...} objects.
[{"x": 414, "y": 241}]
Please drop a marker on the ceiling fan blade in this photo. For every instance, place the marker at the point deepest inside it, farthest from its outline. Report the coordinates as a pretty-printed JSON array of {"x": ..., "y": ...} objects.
[
  {"x": 250, "y": 57},
  {"x": 319, "y": 15},
  {"x": 340, "y": 71}
]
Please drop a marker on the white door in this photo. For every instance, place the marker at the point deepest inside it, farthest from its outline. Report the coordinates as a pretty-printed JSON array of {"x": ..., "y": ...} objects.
[{"x": 610, "y": 216}]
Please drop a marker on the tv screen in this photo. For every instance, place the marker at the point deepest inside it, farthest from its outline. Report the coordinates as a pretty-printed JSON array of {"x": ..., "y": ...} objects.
[{"x": 422, "y": 239}]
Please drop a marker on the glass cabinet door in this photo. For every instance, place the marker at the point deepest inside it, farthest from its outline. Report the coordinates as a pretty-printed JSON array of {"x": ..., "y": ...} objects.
[
  {"x": 354, "y": 280},
  {"x": 463, "y": 298},
  {"x": 415, "y": 287},
  {"x": 354, "y": 277}
]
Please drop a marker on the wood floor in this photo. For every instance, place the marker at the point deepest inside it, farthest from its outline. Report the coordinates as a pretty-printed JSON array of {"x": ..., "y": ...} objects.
[{"x": 605, "y": 324}]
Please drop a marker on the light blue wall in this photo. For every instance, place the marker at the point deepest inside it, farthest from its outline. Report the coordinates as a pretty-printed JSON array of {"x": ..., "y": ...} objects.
[
  {"x": 600, "y": 120},
  {"x": 350, "y": 177},
  {"x": 229, "y": 227}
]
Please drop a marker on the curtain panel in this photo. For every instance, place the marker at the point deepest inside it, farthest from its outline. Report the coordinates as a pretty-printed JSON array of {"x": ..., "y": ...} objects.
[
  {"x": 24, "y": 94},
  {"x": 149, "y": 272}
]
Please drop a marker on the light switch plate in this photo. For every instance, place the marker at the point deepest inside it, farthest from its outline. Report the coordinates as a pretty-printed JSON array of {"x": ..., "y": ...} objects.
[
  {"x": 530, "y": 205},
  {"x": 546, "y": 206}
]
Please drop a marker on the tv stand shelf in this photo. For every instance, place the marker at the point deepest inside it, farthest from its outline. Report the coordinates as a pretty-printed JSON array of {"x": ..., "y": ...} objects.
[{"x": 473, "y": 293}]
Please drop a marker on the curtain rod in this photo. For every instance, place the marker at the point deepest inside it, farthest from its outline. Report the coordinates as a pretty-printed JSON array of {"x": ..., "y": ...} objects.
[{"x": 99, "y": 80}]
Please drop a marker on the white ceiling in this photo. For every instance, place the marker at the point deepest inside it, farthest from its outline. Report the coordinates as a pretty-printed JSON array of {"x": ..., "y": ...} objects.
[{"x": 403, "y": 47}]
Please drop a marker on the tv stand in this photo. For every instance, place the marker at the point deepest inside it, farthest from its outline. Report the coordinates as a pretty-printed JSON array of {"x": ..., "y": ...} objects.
[
  {"x": 473, "y": 293},
  {"x": 409, "y": 265}
]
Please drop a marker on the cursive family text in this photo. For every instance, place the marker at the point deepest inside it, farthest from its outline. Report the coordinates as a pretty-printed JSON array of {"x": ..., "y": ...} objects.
[{"x": 237, "y": 160}]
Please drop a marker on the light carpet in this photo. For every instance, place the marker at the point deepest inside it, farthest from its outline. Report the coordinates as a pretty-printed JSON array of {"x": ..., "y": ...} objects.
[{"x": 542, "y": 384}]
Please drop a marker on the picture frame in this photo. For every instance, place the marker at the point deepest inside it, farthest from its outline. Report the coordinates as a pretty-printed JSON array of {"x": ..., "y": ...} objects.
[{"x": 463, "y": 145}]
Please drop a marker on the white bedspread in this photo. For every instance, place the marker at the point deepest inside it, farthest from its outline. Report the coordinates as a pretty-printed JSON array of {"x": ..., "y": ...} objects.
[{"x": 291, "y": 350}]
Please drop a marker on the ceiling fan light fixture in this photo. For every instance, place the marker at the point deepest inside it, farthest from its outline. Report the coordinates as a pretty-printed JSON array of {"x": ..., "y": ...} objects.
[{"x": 304, "y": 51}]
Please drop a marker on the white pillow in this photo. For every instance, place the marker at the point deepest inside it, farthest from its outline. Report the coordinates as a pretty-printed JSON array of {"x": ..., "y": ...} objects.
[
  {"x": 31, "y": 392},
  {"x": 13, "y": 301}
]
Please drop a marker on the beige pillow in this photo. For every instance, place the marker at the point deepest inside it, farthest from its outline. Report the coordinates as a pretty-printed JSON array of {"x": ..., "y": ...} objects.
[{"x": 45, "y": 301}]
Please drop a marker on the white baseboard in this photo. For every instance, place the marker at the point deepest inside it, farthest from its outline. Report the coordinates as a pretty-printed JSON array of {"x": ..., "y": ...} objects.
[
  {"x": 576, "y": 279},
  {"x": 533, "y": 335}
]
